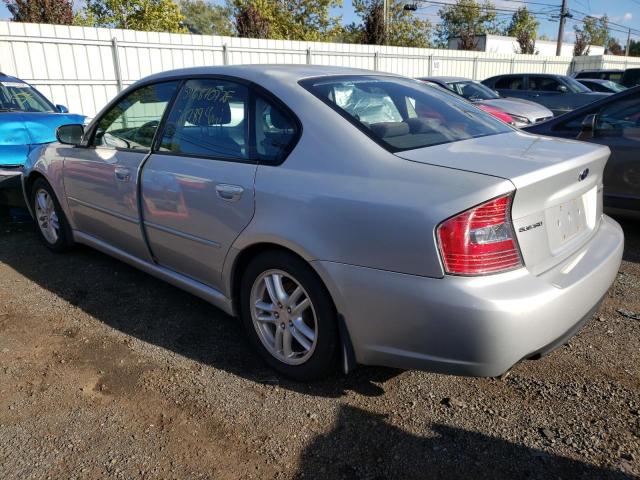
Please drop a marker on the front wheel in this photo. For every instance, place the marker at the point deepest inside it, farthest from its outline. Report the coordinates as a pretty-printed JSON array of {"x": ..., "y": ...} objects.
[
  {"x": 51, "y": 223},
  {"x": 289, "y": 316}
]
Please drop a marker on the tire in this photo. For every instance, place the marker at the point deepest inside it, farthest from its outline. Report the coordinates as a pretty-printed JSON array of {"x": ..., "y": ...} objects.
[
  {"x": 56, "y": 239},
  {"x": 309, "y": 357}
]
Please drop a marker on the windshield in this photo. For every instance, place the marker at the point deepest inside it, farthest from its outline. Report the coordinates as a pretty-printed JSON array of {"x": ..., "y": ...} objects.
[
  {"x": 403, "y": 114},
  {"x": 473, "y": 91},
  {"x": 575, "y": 86},
  {"x": 21, "y": 97}
]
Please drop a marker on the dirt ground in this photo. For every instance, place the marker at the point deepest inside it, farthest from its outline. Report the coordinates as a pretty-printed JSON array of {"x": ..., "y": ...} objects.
[{"x": 106, "y": 372}]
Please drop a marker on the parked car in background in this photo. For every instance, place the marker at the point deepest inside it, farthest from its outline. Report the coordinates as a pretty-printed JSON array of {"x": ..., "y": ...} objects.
[
  {"x": 631, "y": 77},
  {"x": 613, "y": 74},
  {"x": 521, "y": 112},
  {"x": 559, "y": 93},
  {"x": 27, "y": 119},
  {"x": 605, "y": 86},
  {"x": 345, "y": 215},
  {"x": 614, "y": 122}
]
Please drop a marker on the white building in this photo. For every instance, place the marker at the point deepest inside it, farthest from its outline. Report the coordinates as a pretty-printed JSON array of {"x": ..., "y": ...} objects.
[{"x": 500, "y": 44}]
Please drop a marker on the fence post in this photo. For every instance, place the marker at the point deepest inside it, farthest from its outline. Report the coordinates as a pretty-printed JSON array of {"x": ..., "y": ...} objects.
[
  {"x": 475, "y": 68},
  {"x": 511, "y": 67},
  {"x": 116, "y": 62},
  {"x": 430, "y": 65},
  {"x": 225, "y": 54},
  {"x": 375, "y": 61},
  {"x": 309, "y": 56},
  {"x": 544, "y": 66}
]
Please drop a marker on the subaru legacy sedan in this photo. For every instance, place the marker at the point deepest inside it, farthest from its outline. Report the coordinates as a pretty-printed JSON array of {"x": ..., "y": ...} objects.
[{"x": 346, "y": 216}]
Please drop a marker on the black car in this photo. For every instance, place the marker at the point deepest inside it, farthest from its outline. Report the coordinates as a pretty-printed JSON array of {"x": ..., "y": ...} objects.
[
  {"x": 559, "y": 93},
  {"x": 606, "y": 86},
  {"x": 613, "y": 74},
  {"x": 615, "y": 122},
  {"x": 631, "y": 77}
]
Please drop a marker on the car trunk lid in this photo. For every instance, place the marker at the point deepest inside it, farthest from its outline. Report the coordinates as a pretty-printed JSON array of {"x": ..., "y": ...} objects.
[{"x": 558, "y": 184}]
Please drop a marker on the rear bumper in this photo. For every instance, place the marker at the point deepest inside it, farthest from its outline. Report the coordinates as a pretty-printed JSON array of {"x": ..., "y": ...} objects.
[{"x": 478, "y": 326}]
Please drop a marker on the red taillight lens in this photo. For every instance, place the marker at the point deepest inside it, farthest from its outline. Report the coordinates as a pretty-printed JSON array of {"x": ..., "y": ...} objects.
[
  {"x": 480, "y": 240},
  {"x": 496, "y": 112}
]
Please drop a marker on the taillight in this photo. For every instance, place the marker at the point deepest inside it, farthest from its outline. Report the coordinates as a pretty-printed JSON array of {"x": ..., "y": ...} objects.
[
  {"x": 480, "y": 240},
  {"x": 496, "y": 112}
]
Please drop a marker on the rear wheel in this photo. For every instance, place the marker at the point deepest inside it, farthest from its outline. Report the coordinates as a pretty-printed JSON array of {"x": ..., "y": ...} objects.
[
  {"x": 51, "y": 223},
  {"x": 289, "y": 316}
]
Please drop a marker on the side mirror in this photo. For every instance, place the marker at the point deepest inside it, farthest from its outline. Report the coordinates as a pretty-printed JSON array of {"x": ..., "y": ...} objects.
[
  {"x": 70, "y": 134},
  {"x": 62, "y": 109},
  {"x": 588, "y": 127},
  {"x": 563, "y": 89}
]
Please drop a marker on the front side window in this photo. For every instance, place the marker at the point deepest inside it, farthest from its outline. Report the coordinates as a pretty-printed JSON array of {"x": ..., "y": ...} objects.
[
  {"x": 209, "y": 119},
  {"x": 21, "y": 97},
  {"x": 545, "y": 84},
  {"x": 133, "y": 121},
  {"x": 403, "y": 114},
  {"x": 620, "y": 119}
]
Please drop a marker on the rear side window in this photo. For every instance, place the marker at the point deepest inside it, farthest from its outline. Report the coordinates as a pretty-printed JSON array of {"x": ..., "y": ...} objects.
[
  {"x": 209, "y": 118},
  {"x": 402, "y": 114},
  {"x": 275, "y": 132},
  {"x": 509, "y": 83}
]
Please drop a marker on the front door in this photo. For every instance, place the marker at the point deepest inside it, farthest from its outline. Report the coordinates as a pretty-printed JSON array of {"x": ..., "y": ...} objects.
[
  {"x": 618, "y": 127},
  {"x": 198, "y": 187},
  {"x": 101, "y": 179}
]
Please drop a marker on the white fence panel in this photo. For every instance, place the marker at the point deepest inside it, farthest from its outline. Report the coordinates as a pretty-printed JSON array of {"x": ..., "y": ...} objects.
[{"x": 84, "y": 67}]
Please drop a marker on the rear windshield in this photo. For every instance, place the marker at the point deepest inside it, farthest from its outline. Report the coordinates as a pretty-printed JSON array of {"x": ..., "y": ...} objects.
[
  {"x": 474, "y": 91},
  {"x": 404, "y": 114}
]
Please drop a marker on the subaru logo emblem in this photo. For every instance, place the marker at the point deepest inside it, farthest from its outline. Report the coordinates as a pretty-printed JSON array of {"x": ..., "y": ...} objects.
[{"x": 583, "y": 174}]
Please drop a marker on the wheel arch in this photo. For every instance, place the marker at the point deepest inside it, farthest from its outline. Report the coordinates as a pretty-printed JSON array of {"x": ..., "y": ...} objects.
[{"x": 241, "y": 259}]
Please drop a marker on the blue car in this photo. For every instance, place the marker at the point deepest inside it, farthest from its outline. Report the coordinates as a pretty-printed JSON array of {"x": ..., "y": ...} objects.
[{"x": 27, "y": 119}]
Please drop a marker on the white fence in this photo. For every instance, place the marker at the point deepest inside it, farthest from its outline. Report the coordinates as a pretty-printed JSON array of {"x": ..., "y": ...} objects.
[{"x": 84, "y": 67}]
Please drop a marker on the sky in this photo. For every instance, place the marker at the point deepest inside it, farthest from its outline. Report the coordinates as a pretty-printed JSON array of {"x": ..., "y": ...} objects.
[{"x": 626, "y": 13}]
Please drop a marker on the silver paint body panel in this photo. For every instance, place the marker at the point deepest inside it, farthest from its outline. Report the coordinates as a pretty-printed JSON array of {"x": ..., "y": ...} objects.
[{"x": 365, "y": 220}]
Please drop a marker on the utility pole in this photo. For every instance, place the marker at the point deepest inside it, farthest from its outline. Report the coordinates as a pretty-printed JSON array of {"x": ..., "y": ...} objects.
[
  {"x": 385, "y": 13},
  {"x": 626, "y": 51},
  {"x": 563, "y": 17}
]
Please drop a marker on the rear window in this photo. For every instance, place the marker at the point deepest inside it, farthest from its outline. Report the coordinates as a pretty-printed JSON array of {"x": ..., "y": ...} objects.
[{"x": 403, "y": 114}]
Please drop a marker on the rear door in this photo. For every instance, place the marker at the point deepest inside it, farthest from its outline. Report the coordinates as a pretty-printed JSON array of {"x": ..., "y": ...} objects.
[{"x": 101, "y": 179}]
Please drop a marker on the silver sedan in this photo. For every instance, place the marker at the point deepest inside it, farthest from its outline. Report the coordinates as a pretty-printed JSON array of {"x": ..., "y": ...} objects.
[{"x": 347, "y": 217}]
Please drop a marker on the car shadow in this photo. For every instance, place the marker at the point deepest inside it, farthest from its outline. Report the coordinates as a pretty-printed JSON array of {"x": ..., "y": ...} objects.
[
  {"x": 366, "y": 445},
  {"x": 153, "y": 311}
]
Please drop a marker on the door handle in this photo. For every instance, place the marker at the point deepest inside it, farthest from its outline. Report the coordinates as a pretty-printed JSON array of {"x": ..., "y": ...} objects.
[
  {"x": 229, "y": 193},
  {"x": 122, "y": 174}
]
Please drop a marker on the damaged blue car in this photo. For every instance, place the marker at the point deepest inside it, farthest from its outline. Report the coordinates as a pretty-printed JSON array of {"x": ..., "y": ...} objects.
[{"x": 27, "y": 119}]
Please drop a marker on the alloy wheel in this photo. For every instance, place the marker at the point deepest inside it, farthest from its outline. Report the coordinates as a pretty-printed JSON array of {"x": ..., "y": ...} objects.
[{"x": 284, "y": 317}]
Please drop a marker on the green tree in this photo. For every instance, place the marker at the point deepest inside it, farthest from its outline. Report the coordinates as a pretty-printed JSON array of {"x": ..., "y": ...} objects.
[
  {"x": 145, "y": 15},
  {"x": 634, "y": 48},
  {"x": 404, "y": 29},
  {"x": 614, "y": 47},
  {"x": 58, "y": 12},
  {"x": 250, "y": 23},
  {"x": 524, "y": 27},
  {"x": 294, "y": 20},
  {"x": 205, "y": 18},
  {"x": 594, "y": 31},
  {"x": 466, "y": 19}
]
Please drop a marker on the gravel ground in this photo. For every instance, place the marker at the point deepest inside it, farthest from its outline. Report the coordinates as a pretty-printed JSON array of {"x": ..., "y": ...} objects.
[{"x": 106, "y": 372}]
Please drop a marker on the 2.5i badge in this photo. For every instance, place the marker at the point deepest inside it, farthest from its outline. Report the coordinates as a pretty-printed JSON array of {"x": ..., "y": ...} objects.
[{"x": 530, "y": 227}]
